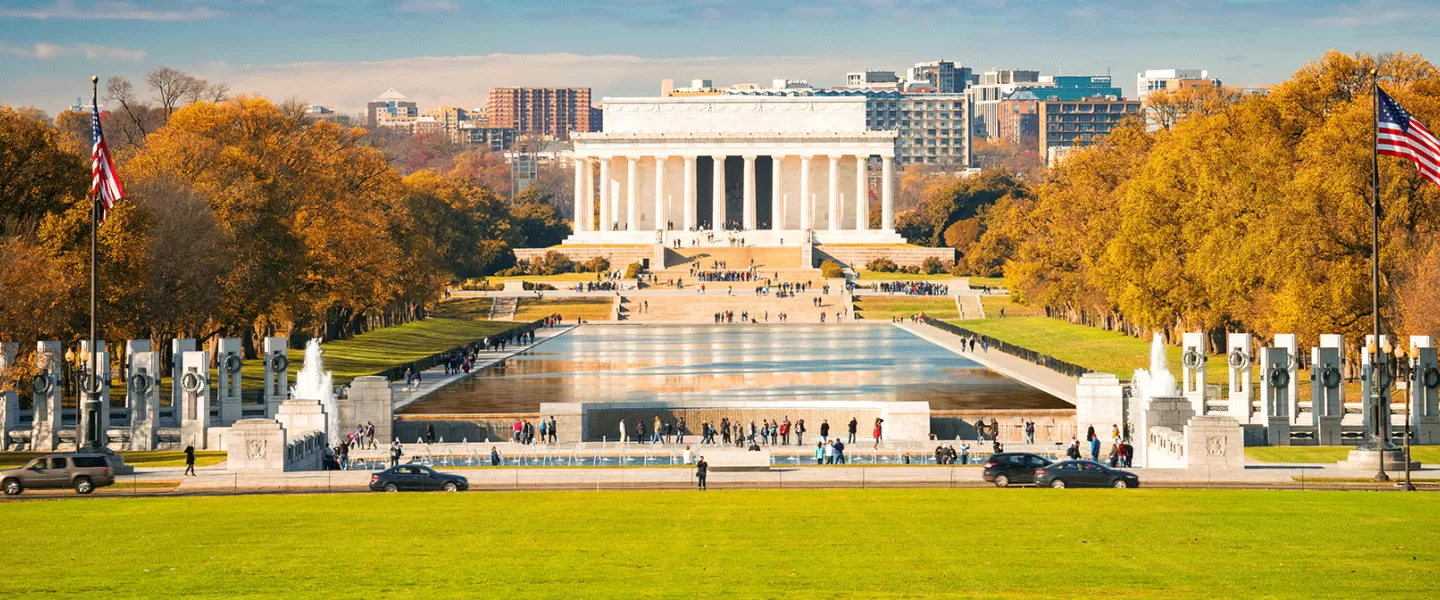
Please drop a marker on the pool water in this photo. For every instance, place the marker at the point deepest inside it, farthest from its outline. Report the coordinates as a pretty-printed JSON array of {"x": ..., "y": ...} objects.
[{"x": 783, "y": 363}]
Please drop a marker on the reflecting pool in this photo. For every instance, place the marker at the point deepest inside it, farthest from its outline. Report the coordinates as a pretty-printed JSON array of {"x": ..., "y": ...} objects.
[{"x": 599, "y": 363}]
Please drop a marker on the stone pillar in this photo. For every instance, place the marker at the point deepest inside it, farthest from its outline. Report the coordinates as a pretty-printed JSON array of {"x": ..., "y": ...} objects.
[
  {"x": 142, "y": 393},
  {"x": 717, "y": 194},
  {"x": 1374, "y": 410},
  {"x": 1425, "y": 396},
  {"x": 1291, "y": 343},
  {"x": 862, "y": 195},
  {"x": 228, "y": 360},
  {"x": 99, "y": 398},
  {"x": 748, "y": 214},
  {"x": 277, "y": 373},
  {"x": 632, "y": 186},
  {"x": 1240, "y": 360},
  {"x": 578, "y": 218},
  {"x": 1192, "y": 369},
  {"x": 1101, "y": 404},
  {"x": 46, "y": 389},
  {"x": 9, "y": 399},
  {"x": 1327, "y": 391},
  {"x": 806, "y": 212},
  {"x": 887, "y": 194},
  {"x": 606, "y": 218},
  {"x": 661, "y": 215},
  {"x": 1275, "y": 385},
  {"x": 832, "y": 217},
  {"x": 255, "y": 445},
  {"x": 369, "y": 401},
  {"x": 777, "y": 203},
  {"x": 689, "y": 193},
  {"x": 194, "y": 384},
  {"x": 587, "y": 218},
  {"x": 178, "y": 348}
]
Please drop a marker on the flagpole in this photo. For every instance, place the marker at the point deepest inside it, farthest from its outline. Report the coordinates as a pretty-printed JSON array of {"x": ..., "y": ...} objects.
[
  {"x": 92, "y": 411},
  {"x": 1378, "y": 356}
]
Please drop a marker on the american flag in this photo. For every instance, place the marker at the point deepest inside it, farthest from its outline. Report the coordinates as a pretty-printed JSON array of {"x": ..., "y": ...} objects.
[
  {"x": 105, "y": 185},
  {"x": 1399, "y": 134}
]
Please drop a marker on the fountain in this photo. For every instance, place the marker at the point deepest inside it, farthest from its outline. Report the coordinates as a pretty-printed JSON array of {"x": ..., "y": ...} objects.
[
  {"x": 1157, "y": 382},
  {"x": 312, "y": 383}
]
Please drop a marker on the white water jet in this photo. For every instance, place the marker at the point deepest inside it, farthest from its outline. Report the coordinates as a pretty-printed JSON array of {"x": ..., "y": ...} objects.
[
  {"x": 313, "y": 383},
  {"x": 1157, "y": 381}
]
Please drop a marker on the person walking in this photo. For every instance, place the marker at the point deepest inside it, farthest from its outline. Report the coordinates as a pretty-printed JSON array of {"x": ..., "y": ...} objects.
[
  {"x": 553, "y": 436},
  {"x": 700, "y": 468},
  {"x": 800, "y": 432},
  {"x": 370, "y": 436},
  {"x": 820, "y": 452},
  {"x": 854, "y": 425},
  {"x": 622, "y": 430},
  {"x": 494, "y": 457},
  {"x": 1095, "y": 448},
  {"x": 190, "y": 459},
  {"x": 829, "y": 451},
  {"x": 396, "y": 451},
  {"x": 824, "y": 430},
  {"x": 878, "y": 421}
]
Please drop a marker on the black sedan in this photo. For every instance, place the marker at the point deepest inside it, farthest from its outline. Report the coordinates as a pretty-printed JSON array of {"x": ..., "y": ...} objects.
[
  {"x": 1084, "y": 473},
  {"x": 1008, "y": 468},
  {"x": 416, "y": 478}
]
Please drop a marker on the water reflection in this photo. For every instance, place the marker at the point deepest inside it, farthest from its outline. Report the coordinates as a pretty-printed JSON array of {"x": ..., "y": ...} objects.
[{"x": 689, "y": 362}]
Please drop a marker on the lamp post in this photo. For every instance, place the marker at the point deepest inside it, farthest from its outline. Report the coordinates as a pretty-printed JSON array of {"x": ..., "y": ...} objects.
[
  {"x": 1378, "y": 381},
  {"x": 1410, "y": 369}
]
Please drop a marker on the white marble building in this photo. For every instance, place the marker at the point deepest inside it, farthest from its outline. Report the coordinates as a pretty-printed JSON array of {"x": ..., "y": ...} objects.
[{"x": 788, "y": 168}]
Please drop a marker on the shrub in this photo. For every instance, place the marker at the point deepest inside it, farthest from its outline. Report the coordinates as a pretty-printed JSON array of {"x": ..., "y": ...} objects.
[
  {"x": 597, "y": 264},
  {"x": 882, "y": 265},
  {"x": 912, "y": 269},
  {"x": 958, "y": 270},
  {"x": 477, "y": 285},
  {"x": 831, "y": 269},
  {"x": 552, "y": 263},
  {"x": 932, "y": 265},
  {"x": 633, "y": 270},
  {"x": 536, "y": 285}
]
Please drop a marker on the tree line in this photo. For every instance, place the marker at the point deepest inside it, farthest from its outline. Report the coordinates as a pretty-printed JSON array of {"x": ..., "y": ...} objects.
[{"x": 242, "y": 218}]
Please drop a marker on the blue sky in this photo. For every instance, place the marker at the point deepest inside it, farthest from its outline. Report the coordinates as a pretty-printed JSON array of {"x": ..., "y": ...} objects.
[{"x": 342, "y": 53}]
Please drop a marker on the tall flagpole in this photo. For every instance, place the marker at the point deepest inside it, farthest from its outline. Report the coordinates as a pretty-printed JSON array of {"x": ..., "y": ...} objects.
[
  {"x": 92, "y": 409},
  {"x": 1378, "y": 358}
]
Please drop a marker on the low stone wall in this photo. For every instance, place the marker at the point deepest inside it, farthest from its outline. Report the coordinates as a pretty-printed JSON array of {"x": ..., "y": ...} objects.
[
  {"x": 619, "y": 256},
  {"x": 1165, "y": 449},
  {"x": 903, "y": 421},
  {"x": 455, "y": 428},
  {"x": 856, "y": 257},
  {"x": 1051, "y": 426}
]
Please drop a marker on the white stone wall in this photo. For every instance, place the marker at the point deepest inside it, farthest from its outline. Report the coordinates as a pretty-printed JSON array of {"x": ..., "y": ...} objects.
[{"x": 735, "y": 114}]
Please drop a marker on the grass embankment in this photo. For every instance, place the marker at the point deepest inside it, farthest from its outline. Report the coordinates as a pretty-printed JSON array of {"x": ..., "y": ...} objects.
[
  {"x": 856, "y": 544},
  {"x": 569, "y": 309},
  {"x": 993, "y": 282},
  {"x": 1327, "y": 454},
  {"x": 867, "y": 276},
  {"x": 470, "y": 309},
  {"x": 884, "y": 307},
  {"x": 158, "y": 458},
  {"x": 1103, "y": 351},
  {"x": 560, "y": 278}
]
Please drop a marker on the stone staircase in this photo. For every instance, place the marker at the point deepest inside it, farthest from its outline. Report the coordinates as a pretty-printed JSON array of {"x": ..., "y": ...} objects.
[
  {"x": 503, "y": 309},
  {"x": 697, "y": 308},
  {"x": 778, "y": 264}
]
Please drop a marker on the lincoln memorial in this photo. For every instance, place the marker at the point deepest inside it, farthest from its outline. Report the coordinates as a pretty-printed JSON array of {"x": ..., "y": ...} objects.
[{"x": 776, "y": 171}]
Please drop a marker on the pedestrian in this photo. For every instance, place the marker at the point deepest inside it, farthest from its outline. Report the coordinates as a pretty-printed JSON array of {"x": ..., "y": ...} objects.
[
  {"x": 964, "y": 453},
  {"x": 622, "y": 430},
  {"x": 830, "y": 451},
  {"x": 494, "y": 457},
  {"x": 824, "y": 430},
  {"x": 553, "y": 436},
  {"x": 687, "y": 455},
  {"x": 700, "y": 467},
  {"x": 800, "y": 432},
  {"x": 429, "y": 433},
  {"x": 878, "y": 421},
  {"x": 820, "y": 452},
  {"x": 1095, "y": 448},
  {"x": 396, "y": 451},
  {"x": 854, "y": 425},
  {"x": 190, "y": 459},
  {"x": 369, "y": 435}
]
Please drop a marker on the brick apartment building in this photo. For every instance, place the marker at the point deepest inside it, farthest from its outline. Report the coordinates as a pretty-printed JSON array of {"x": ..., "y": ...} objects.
[{"x": 554, "y": 112}]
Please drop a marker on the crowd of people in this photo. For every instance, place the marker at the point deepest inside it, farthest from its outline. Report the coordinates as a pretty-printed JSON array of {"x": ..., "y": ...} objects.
[
  {"x": 768, "y": 432},
  {"x": 913, "y": 288},
  {"x": 524, "y": 432},
  {"x": 946, "y": 454}
]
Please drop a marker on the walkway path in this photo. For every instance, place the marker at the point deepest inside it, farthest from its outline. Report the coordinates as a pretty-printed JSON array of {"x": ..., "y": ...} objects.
[
  {"x": 1014, "y": 367},
  {"x": 434, "y": 378}
]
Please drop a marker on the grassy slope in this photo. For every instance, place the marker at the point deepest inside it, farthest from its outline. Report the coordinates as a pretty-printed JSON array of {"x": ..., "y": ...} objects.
[
  {"x": 1104, "y": 351},
  {"x": 745, "y": 544},
  {"x": 590, "y": 309},
  {"x": 882, "y": 307},
  {"x": 867, "y": 276},
  {"x": 1327, "y": 454}
]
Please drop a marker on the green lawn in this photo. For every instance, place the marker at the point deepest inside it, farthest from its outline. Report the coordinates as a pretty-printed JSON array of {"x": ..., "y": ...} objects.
[
  {"x": 590, "y": 309},
  {"x": 474, "y": 309},
  {"x": 1103, "y": 351},
  {"x": 1328, "y": 454},
  {"x": 882, "y": 307},
  {"x": 995, "y": 306},
  {"x": 158, "y": 458},
  {"x": 873, "y": 276},
  {"x": 990, "y": 281},
  {"x": 898, "y": 543}
]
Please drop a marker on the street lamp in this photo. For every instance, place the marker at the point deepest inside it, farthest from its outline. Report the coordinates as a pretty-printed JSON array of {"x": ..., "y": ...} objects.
[
  {"x": 1379, "y": 379},
  {"x": 1408, "y": 369}
]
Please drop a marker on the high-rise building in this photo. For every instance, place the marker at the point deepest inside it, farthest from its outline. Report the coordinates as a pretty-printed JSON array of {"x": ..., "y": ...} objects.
[
  {"x": 1018, "y": 117},
  {"x": 552, "y": 112},
  {"x": 945, "y": 76},
  {"x": 985, "y": 97},
  {"x": 449, "y": 117},
  {"x": 1066, "y": 124},
  {"x": 873, "y": 80},
  {"x": 391, "y": 103},
  {"x": 1169, "y": 80},
  {"x": 933, "y": 128}
]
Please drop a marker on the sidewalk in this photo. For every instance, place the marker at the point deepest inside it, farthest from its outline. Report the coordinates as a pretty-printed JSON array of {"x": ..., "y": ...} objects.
[
  {"x": 434, "y": 378},
  {"x": 1019, "y": 369}
]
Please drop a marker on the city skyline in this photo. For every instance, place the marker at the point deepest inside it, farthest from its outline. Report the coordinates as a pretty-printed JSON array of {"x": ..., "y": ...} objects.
[{"x": 341, "y": 56}]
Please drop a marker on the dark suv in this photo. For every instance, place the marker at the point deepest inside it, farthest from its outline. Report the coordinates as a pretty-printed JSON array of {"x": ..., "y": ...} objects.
[
  {"x": 83, "y": 472},
  {"x": 1008, "y": 468}
]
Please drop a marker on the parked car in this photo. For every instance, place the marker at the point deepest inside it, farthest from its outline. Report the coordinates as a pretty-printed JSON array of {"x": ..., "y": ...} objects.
[
  {"x": 83, "y": 472},
  {"x": 416, "y": 478},
  {"x": 1011, "y": 468},
  {"x": 1084, "y": 473}
]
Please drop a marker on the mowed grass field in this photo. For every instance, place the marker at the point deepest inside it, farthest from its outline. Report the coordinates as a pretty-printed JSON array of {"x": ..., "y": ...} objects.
[
  {"x": 883, "y": 307},
  {"x": 569, "y": 309},
  {"x": 1427, "y": 455},
  {"x": 910, "y": 543}
]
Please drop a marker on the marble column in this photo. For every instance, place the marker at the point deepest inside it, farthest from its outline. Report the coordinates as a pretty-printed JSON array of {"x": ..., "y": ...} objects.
[
  {"x": 717, "y": 195},
  {"x": 748, "y": 221},
  {"x": 577, "y": 220},
  {"x": 632, "y": 185},
  {"x": 777, "y": 205},
  {"x": 832, "y": 219},
  {"x": 605, "y": 217},
  {"x": 589, "y": 219},
  {"x": 806, "y": 212},
  {"x": 887, "y": 194},
  {"x": 689, "y": 193},
  {"x": 660, "y": 213},
  {"x": 862, "y": 195}
]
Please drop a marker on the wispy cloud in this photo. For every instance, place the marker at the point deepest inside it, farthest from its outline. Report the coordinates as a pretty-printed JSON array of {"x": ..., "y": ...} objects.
[
  {"x": 422, "y": 6},
  {"x": 108, "y": 10},
  {"x": 47, "y": 51}
]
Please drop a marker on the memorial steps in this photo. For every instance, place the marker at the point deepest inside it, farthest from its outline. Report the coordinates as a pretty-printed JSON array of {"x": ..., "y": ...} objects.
[
  {"x": 697, "y": 308},
  {"x": 737, "y": 258}
]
